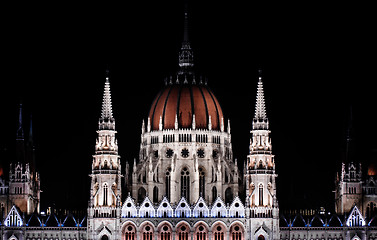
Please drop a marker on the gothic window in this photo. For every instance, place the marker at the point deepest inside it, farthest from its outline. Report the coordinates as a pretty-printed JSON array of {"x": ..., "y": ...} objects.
[
  {"x": 165, "y": 233},
  {"x": 129, "y": 233},
  {"x": 260, "y": 195},
  {"x": 185, "y": 183},
  {"x": 214, "y": 193},
  {"x": 236, "y": 233},
  {"x": 218, "y": 232},
  {"x": 202, "y": 182},
  {"x": 167, "y": 182},
  {"x": 105, "y": 194},
  {"x": 155, "y": 194},
  {"x": 141, "y": 193},
  {"x": 147, "y": 233},
  {"x": 228, "y": 195},
  {"x": 104, "y": 237},
  {"x": 261, "y": 237},
  {"x": 201, "y": 233},
  {"x": 183, "y": 232}
]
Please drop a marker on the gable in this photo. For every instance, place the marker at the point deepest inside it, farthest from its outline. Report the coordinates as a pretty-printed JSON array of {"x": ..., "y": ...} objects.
[
  {"x": 13, "y": 219},
  {"x": 355, "y": 218}
]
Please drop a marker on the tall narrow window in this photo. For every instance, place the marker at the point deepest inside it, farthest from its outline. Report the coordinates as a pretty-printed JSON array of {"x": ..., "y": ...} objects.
[
  {"x": 202, "y": 182},
  {"x": 167, "y": 182},
  {"x": 228, "y": 195},
  {"x": 185, "y": 183},
  {"x": 260, "y": 195},
  {"x": 214, "y": 193},
  {"x": 155, "y": 194},
  {"x": 105, "y": 191}
]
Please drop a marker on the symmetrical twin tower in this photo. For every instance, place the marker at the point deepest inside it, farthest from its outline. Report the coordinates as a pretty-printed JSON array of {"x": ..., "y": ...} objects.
[{"x": 186, "y": 183}]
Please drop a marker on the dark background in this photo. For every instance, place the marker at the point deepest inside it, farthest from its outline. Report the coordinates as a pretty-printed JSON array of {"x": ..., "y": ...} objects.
[{"x": 318, "y": 62}]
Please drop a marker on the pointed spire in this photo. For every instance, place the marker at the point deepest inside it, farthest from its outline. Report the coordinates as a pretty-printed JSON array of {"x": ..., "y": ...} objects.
[
  {"x": 149, "y": 125},
  {"x": 143, "y": 127},
  {"x": 20, "y": 129},
  {"x": 260, "y": 117},
  {"x": 260, "y": 108},
  {"x": 107, "y": 121},
  {"x": 193, "y": 122},
  {"x": 176, "y": 122},
  {"x": 186, "y": 56}
]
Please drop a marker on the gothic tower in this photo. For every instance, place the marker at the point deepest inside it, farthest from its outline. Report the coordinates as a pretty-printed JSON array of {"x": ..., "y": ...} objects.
[
  {"x": 105, "y": 191},
  {"x": 24, "y": 183},
  {"x": 185, "y": 150},
  {"x": 260, "y": 176}
]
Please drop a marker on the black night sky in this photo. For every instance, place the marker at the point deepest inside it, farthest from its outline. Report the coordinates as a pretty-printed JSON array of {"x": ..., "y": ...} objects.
[{"x": 318, "y": 60}]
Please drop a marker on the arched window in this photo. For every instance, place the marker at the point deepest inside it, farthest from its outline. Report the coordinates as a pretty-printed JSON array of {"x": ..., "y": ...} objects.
[
  {"x": 202, "y": 182},
  {"x": 167, "y": 182},
  {"x": 165, "y": 233},
  {"x": 141, "y": 193},
  {"x": 147, "y": 233},
  {"x": 185, "y": 183},
  {"x": 261, "y": 237},
  {"x": 260, "y": 195},
  {"x": 236, "y": 233},
  {"x": 201, "y": 233},
  {"x": 228, "y": 195},
  {"x": 104, "y": 237},
  {"x": 183, "y": 232},
  {"x": 218, "y": 232},
  {"x": 214, "y": 193},
  {"x": 105, "y": 194},
  {"x": 155, "y": 194},
  {"x": 129, "y": 233}
]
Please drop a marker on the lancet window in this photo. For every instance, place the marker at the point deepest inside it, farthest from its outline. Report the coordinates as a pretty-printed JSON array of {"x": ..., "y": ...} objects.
[{"x": 185, "y": 183}]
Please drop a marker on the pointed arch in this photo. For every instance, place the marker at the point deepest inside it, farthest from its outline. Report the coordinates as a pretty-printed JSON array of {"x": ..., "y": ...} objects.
[
  {"x": 228, "y": 195},
  {"x": 182, "y": 230},
  {"x": 237, "y": 231},
  {"x": 185, "y": 183},
  {"x": 129, "y": 231},
  {"x": 218, "y": 231}
]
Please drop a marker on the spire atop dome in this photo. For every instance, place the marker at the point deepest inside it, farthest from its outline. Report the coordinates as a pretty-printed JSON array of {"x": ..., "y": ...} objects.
[
  {"x": 260, "y": 117},
  {"x": 107, "y": 121},
  {"x": 186, "y": 55}
]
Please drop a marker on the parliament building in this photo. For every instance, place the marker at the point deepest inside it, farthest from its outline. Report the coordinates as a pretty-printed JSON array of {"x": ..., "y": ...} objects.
[{"x": 185, "y": 184}]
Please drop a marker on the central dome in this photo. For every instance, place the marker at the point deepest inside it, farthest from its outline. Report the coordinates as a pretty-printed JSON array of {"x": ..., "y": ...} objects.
[{"x": 183, "y": 101}]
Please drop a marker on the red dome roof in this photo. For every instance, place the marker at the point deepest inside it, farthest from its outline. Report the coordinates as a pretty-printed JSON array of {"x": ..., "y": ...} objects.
[{"x": 184, "y": 100}]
